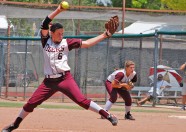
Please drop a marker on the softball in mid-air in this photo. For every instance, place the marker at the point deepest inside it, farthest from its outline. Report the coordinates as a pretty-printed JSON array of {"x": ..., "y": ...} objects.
[{"x": 64, "y": 5}]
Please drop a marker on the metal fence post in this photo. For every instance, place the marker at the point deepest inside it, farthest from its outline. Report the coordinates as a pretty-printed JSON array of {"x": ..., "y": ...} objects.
[
  {"x": 155, "y": 68},
  {"x": 86, "y": 74},
  {"x": 1, "y": 66},
  {"x": 25, "y": 72},
  {"x": 107, "y": 67},
  {"x": 8, "y": 64},
  {"x": 140, "y": 57}
]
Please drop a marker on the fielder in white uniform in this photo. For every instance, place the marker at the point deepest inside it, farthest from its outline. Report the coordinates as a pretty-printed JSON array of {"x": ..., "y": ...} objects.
[{"x": 118, "y": 83}]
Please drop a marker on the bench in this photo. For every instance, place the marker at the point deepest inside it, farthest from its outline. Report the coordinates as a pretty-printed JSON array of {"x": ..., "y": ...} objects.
[
  {"x": 173, "y": 93},
  {"x": 138, "y": 92}
]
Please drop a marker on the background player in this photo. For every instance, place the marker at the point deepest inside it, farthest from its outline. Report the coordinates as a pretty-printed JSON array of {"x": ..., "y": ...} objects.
[
  {"x": 57, "y": 71},
  {"x": 120, "y": 82},
  {"x": 183, "y": 68}
]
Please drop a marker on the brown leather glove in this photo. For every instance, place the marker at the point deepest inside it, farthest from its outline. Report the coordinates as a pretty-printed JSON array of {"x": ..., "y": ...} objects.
[{"x": 111, "y": 26}]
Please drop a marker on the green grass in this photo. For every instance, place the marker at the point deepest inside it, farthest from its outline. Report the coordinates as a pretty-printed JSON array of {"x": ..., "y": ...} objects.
[
  {"x": 10, "y": 104},
  {"x": 63, "y": 106},
  {"x": 147, "y": 110},
  {"x": 47, "y": 106}
]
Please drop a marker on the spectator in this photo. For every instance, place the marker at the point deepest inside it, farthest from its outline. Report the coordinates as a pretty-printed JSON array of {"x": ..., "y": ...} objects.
[{"x": 161, "y": 85}]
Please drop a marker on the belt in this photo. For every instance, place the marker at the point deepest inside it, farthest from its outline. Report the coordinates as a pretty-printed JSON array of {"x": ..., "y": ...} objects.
[{"x": 55, "y": 75}]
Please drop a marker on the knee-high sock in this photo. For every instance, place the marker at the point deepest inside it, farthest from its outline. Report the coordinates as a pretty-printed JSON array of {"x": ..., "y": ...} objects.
[
  {"x": 23, "y": 114},
  {"x": 108, "y": 105},
  {"x": 94, "y": 107},
  {"x": 127, "y": 109},
  {"x": 20, "y": 118}
]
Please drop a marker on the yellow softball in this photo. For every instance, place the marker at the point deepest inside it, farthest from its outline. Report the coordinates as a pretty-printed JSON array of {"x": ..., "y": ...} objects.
[{"x": 64, "y": 5}]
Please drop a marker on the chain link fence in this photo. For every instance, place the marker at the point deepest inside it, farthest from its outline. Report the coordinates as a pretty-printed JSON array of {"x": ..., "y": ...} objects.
[{"x": 91, "y": 66}]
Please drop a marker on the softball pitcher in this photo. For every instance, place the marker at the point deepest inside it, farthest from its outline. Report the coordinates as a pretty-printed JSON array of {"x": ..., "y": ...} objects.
[{"x": 57, "y": 71}]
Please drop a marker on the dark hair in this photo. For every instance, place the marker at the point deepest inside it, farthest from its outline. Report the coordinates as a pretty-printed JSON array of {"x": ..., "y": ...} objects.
[
  {"x": 55, "y": 26},
  {"x": 160, "y": 76}
]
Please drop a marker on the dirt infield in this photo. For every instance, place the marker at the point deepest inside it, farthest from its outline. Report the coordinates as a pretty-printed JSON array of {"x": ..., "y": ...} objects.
[{"x": 148, "y": 119}]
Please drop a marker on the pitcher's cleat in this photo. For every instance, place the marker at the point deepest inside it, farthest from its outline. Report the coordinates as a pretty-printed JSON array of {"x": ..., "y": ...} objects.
[
  {"x": 9, "y": 128},
  {"x": 13, "y": 126},
  {"x": 113, "y": 119}
]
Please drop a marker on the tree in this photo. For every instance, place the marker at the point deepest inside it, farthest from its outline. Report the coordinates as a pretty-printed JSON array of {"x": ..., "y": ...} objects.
[
  {"x": 119, "y": 3},
  {"x": 174, "y": 4},
  {"x": 84, "y": 2},
  {"x": 147, "y": 4},
  {"x": 154, "y": 4}
]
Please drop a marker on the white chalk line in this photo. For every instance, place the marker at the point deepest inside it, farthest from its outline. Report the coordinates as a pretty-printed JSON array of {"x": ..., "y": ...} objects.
[
  {"x": 179, "y": 117},
  {"x": 47, "y": 130}
]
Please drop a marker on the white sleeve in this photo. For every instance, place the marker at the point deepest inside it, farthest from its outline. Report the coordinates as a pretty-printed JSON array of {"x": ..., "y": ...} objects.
[{"x": 165, "y": 83}]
